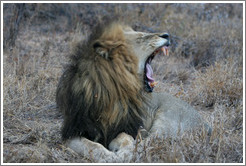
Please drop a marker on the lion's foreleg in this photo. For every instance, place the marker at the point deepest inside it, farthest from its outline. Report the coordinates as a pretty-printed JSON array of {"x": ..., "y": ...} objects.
[
  {"x": 92, "y": 150},
  {"x": 122, "y": 148}
]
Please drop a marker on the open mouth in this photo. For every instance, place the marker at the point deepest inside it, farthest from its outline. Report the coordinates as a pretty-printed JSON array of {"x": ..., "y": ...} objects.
[{"x": 149, "y": 81}]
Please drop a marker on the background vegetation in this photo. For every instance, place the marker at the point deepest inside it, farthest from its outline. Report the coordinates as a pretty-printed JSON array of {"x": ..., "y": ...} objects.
[{"x": 205, "y": 68}]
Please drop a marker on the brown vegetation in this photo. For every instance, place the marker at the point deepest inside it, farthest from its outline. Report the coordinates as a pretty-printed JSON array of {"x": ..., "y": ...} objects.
[{"x": 205, "y": 68}]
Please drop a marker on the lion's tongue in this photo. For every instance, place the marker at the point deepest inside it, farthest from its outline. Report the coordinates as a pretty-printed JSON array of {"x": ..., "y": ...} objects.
[{"x": 149, "y": 73}]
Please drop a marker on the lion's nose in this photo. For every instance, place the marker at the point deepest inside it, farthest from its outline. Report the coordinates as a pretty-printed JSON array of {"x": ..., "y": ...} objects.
[{"x": 165, "y": 36}]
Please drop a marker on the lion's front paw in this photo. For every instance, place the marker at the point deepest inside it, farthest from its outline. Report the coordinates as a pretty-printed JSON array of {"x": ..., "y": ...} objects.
[{"x": 122, "y": 141}]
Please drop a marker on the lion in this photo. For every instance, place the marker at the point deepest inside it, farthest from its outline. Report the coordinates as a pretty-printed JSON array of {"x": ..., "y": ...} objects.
[{"x": 107, "y": 93}]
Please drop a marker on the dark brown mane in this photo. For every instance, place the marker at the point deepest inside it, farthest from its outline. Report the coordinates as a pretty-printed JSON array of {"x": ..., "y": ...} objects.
[{"x": 100, "y": 91}]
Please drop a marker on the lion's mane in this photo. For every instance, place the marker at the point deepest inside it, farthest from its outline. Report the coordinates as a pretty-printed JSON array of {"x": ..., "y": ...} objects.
[{"x": 99, "y": 93}]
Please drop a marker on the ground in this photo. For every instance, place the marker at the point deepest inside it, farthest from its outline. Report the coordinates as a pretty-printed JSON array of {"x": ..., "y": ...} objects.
[{"x": 205, "y": 68}]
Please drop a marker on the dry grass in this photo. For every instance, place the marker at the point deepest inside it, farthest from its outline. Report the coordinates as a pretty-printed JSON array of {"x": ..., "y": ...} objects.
[{"x": 205, "y": 68}]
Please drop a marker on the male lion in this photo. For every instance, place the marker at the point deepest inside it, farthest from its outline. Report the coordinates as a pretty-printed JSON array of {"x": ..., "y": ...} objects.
[{"x": 106, "y": 92}]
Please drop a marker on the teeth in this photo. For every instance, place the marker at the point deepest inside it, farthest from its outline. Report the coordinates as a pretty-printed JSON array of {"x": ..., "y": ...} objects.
[
  {"x": 165, "y": 51},
  {"x": 153, "y": 84}
]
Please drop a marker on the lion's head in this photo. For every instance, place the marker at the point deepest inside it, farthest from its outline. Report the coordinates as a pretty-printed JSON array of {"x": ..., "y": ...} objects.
[
  {"x": 100, "y": 92},
  {"x": 146, "y": 46}
]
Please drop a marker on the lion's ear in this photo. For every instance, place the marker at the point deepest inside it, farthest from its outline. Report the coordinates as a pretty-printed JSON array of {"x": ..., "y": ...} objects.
[{"x": 100, "y": 50}]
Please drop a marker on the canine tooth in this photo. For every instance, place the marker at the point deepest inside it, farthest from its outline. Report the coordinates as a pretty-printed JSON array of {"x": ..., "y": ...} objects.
[
  {"x": 163, "y": 49},
  {"x": 167, "y": 51}
]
